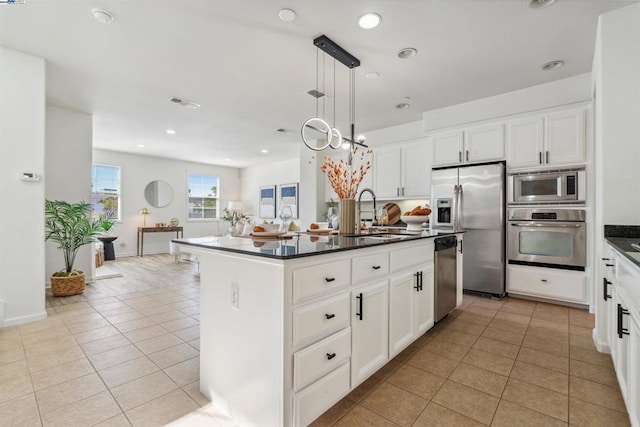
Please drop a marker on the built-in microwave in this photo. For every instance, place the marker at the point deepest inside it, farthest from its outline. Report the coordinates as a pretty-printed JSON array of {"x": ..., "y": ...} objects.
[{"x": 560, "y": 186}]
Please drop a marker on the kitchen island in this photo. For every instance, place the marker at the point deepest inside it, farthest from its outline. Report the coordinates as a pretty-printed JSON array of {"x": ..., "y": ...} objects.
[{"x": 290, "y": 326}]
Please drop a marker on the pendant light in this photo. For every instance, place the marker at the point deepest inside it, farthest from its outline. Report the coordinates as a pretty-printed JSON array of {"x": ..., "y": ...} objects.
[{"x": 328, "y": 135}]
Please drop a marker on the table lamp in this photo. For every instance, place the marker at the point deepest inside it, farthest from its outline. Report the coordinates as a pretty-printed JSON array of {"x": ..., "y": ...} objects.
[{"x": 144, "y": 212}]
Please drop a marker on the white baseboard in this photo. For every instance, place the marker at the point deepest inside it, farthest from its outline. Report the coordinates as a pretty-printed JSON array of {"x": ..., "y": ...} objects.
[
  {"x": 25, "y": 319},
  {"x": 602, "y": 347}
]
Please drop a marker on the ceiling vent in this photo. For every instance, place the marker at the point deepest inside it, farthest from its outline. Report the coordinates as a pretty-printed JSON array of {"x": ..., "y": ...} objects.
[
  {"x": 185, "y": 103},
  {"x": 315, "y": 93}
]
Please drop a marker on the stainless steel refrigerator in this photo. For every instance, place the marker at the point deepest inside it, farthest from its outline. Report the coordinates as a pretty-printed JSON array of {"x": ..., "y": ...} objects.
[{"x": 472, "y": 199}]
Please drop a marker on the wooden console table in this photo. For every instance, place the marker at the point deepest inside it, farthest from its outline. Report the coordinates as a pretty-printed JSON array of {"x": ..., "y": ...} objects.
[{"x": 141, "y": 230}]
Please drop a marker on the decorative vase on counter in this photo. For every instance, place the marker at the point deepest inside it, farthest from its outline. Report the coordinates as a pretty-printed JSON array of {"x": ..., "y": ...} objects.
[{"x": 347, "y": 214}]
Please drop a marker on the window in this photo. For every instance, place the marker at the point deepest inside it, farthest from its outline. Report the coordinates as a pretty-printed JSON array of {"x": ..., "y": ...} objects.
[
  {"x": 105, "y": 194},
  {"x": 203, "y": 197}
]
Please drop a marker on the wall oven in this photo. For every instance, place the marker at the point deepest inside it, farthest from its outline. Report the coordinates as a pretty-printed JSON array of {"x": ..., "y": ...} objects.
[
  {"x": 553, "y": 238},
  {"x": 561, "y": 186}
]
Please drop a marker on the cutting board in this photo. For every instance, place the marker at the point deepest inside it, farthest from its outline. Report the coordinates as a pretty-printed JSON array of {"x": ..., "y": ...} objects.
[{"x": 394, "y": 213}]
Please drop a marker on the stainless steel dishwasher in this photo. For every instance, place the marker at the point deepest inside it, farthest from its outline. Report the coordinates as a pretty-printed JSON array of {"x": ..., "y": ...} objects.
[{"x": 445, "y": 287}]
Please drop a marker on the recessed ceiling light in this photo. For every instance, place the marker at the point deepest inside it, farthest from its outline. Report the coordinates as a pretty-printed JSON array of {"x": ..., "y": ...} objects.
[
  {"x": 372, "y": 75},
  {"x": 287, "y": 15},
  {"x": 406, "y": 98},
  {"x": 539, "y": 4},
  {"x": 227, "y": 160},
  {"x": 102, "y": 16},
  {"x": 402, "y": 106},
  {"x": 140, "y": 145},
  {"x": 369, "y": 21},
  {"x": 407, "y": 52},
  {"x": 264, "y": 151},
  {"x": 552, "y": 65},
  {"x": 171, "y": 131}
]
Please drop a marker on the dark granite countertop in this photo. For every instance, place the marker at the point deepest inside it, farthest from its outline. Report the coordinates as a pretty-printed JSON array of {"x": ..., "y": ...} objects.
[
  {"x": 302, "y": 245},
  {"x": 620, "y": 237}
]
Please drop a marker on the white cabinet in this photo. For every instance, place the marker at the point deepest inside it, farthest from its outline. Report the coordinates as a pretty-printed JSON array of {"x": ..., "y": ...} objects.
[
  {"x": 623, "y": 327},
  {"x": 470, "y": 145},
  {"x": 369, "y": 329},
  {"x": 402, "y": 171},
  {"x": 551, "y": 283},
  {"x": 554, "y": 139},
  {"x": 410, "y": 307}
]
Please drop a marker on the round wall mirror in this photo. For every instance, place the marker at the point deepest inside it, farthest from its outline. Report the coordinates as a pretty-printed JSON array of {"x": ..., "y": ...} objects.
[{"x": 158, "y": 193}]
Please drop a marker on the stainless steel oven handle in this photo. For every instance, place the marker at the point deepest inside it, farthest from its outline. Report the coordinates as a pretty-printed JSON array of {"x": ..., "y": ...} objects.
[{"x": 551, "y": 225}]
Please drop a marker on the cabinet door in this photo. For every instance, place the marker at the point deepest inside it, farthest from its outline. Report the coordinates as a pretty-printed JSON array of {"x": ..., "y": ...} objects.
[
  {"x": 633, "y": 400},
  {"x": 416, "y": 170},
  {"x": 484, "y": 143},
  {"x": 620, "y": 356},
  {"x": 386, "y": 172},
  {"x": 447, "y": 148},
  {"x": 423, "y": 302},
  {"x": 564, "y": 135},
  {"x": 402, "y": 290},
  {"x": 369, "y": 330},
  {"x": 525, "y": 142}
]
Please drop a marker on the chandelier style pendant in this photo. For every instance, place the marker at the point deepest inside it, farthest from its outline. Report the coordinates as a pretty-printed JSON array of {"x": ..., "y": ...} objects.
[{"x": 316, "y": 132}]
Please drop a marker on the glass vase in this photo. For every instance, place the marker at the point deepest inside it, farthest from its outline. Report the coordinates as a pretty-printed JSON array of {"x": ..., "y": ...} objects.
[{"x": 347, "y": 220}]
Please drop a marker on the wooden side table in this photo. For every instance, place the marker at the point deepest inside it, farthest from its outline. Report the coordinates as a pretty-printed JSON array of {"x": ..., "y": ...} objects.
[{"x": 142, "y": 230}]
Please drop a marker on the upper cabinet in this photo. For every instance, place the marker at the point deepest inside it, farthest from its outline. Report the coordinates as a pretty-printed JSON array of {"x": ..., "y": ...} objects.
[
  {"x": 554, "y": 139},
  {"x": 402, "y": 171},
  {"x": 469, "y": 145}
]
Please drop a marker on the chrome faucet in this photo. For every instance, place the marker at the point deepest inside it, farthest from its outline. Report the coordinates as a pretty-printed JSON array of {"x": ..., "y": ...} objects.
[{"x": 358, "y": 221}]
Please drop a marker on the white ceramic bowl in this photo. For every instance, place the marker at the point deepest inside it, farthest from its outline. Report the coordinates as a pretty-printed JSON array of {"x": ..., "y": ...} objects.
[
  {"x": 414, "y": 222},
  {"x": 269, "y": 228}
]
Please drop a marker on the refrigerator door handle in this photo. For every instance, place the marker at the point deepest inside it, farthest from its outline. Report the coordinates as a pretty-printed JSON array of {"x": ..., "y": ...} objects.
[{"x": 460, "y": 198}]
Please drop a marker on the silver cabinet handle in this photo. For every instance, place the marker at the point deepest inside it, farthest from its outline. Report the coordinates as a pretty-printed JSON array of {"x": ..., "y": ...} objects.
[
  {"x": 551, "y": 225},
  {"x": 547, "y": 155}
]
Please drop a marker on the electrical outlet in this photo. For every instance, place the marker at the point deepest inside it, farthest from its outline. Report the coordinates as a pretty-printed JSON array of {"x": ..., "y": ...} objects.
[{"x": 235, "y": 296}]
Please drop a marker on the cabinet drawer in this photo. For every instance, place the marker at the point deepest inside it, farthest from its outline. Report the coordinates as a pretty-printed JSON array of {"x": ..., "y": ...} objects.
[
  {"x": 321, "y": 358},
  {"x": 317, "y": 320},
  {"x": 370, "y": 267},
  {"x": 548, "y": 283},
  {"x": 407, "y": 257},
  {"x": 314, "y": 400},
  {"x": 321, "y": 279}
]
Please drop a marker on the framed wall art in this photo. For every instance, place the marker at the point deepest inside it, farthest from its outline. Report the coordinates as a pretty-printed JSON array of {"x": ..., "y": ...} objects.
[
  {"x": 267, "y": 202},
  {"x": 288, "y": 195}
]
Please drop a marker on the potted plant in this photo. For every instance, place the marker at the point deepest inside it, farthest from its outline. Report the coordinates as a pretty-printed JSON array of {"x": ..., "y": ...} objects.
[
  {"x": 107, "y": 220},
  {"x": 71, "y": 227}
]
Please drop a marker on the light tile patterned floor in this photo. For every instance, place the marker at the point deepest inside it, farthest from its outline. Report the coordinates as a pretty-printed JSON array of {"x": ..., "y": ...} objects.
[{"x": 126, "y": 352}]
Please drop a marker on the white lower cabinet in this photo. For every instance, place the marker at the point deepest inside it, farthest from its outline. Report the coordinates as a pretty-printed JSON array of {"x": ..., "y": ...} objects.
[
  {"x": 369, "y": 326},
  {"x": 314, "y": 400},
  {"x": 622, "y": 310},
  {"x": 551, "y": 283},
  {"x": 410, "y": 307}
]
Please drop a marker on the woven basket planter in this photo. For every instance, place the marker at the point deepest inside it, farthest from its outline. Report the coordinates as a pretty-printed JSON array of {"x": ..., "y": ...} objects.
[{"x": 63, "y": 286}]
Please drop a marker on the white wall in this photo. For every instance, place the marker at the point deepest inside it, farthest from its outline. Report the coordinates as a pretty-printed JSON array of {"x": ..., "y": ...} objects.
[
  {"x": 137, "y": 171},
  {"x": 22, "y": 136},
  {"x": 553, "y": 94},
  {"x": 276, "y": 173},
  {"x": 68, "y": 165}
]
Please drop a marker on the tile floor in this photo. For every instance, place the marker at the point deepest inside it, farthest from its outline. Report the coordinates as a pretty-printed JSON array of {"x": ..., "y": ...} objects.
[{"x": 126, "y": 352}]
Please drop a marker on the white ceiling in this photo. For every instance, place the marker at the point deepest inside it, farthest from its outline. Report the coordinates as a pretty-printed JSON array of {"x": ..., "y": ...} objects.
[{"x": 250, "y": 71}]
